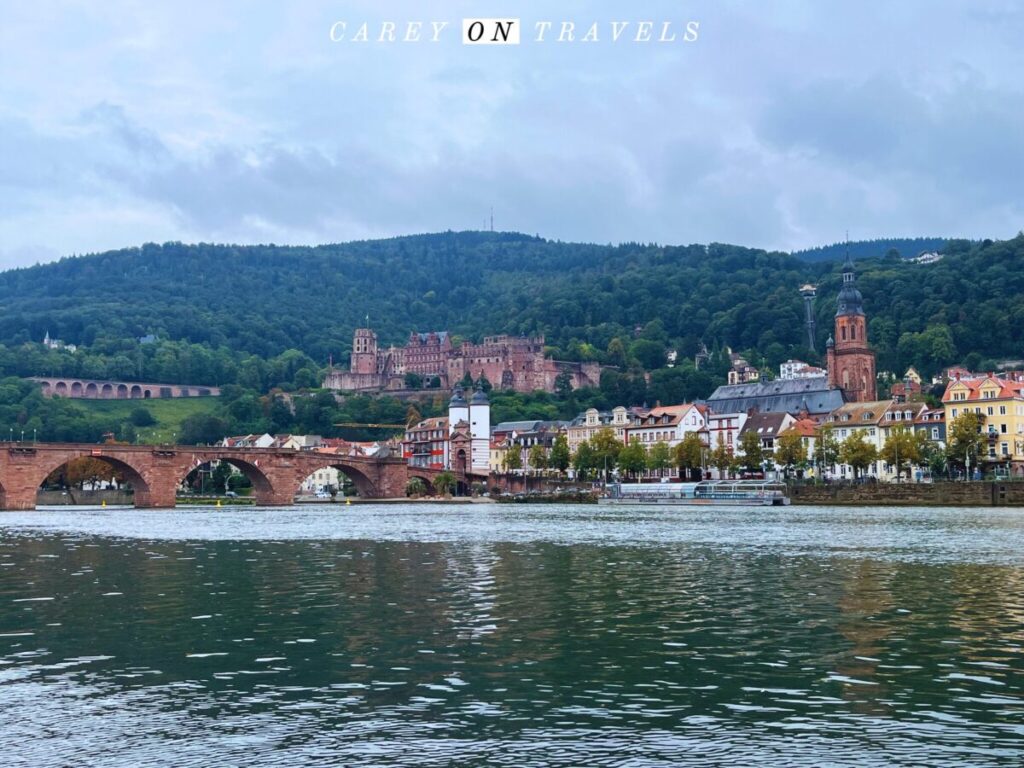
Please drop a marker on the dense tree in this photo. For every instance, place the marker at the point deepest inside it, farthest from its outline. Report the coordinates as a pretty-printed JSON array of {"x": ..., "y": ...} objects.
[
  {"x": 689, "y": 455},
  {"x": 584, "y": 461},
  {"x": 537, "y": 457},
  {"x": 790, "y": 452},
  {"x": 513, "y": 458},
  {"x": 659, "y": 457},
  {"x": 202, "y": 428},
  {"x": 559, "y": 458},
  {"x": 902, "y": 448},
  {"x": 964, "y": 440},
  {"x": 722, "y": 459},
  {"x": 141, "y": 417},
  {"x": 606, "y": 448},
  {"x": 752, "y": 453},
  {"x": 225, "y": 324},
  {"x": 77, "y": 472},
  {"x": 858, "y": 453},
  {"x": 632, "y": 460},
  {"x": 826, "y": 448}
]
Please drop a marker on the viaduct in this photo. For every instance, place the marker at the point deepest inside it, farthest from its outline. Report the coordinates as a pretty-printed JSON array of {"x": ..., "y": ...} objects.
[{"x": 155, "y": 472}]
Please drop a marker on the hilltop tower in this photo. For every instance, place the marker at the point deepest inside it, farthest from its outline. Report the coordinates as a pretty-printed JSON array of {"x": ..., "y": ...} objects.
[
  {"x": 851, "y": 363},
  {"x": 364, "y": 351},
  {"x": 809, "y": 291}
]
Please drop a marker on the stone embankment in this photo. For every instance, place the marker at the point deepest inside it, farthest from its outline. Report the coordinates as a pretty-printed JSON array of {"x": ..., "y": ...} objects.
[{"x": 945, "y": 494}]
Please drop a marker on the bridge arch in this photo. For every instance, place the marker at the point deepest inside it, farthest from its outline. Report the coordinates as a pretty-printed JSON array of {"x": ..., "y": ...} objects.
[
  {"x": 365, "y": 487},
  {"x": 91, "y": 390},
  {"x": 427, "y": 479},
  {"x": 264, "y": 491},
  {"x": 76, "y": 389},
  {"x": 140, "y": 486}
]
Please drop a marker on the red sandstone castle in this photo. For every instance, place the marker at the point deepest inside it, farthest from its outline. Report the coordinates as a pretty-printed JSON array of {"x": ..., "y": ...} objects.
[
  {"x": 508, "y": 362},
  {"x": 851, "y": 364}
]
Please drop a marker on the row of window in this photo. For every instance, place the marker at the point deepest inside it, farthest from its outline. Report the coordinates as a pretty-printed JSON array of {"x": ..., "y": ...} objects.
[{"x": 989, "y": 410}]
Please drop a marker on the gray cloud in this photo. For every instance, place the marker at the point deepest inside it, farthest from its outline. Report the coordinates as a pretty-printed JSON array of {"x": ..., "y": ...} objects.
[{"x": 780, "y": 128}]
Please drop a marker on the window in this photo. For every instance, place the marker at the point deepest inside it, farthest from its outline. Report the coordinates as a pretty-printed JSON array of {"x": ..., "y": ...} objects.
[
  {"x": 1002, "y": 410},
  {"x": 954, "y": 413},
  {"x": 1005, "y": 449},
  {"x": 935, "y": 433},
  {"x": 1002, "y": 428},
  {"x": 990, "y": 410}
]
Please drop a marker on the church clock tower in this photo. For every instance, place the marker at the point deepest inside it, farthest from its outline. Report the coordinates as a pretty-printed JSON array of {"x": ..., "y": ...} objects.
[{"x": 851, "y": 364}]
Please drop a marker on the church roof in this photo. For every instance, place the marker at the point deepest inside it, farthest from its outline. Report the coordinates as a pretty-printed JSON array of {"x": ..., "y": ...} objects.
[
  {"x": 851, "y": 302},
  {"x": 779, "y": 396}
]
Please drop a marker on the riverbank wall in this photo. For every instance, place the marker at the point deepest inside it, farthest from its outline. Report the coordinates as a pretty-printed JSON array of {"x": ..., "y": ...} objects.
[
  {"x": 92, "y": 498},
  {"x": 950, "y": 494}
]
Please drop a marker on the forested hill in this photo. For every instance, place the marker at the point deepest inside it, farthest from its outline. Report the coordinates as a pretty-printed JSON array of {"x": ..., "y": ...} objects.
[
  {"x": 264, "y": 300},
  {"x": 905, "y": 247}
]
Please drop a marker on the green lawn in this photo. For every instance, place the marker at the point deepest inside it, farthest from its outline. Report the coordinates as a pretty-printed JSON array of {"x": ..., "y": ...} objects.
[{"x": 168, "y": 413}]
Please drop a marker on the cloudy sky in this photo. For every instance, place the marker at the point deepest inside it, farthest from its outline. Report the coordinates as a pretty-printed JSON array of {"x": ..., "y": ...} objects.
[{"x": 784, "y": 125}]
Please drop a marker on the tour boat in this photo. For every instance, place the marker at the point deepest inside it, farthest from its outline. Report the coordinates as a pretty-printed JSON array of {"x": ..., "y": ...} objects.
[{"x": 755, "y": 493}]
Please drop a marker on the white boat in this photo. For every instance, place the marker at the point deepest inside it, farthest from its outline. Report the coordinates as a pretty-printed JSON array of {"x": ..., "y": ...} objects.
[{"x": 754, "y": 493}]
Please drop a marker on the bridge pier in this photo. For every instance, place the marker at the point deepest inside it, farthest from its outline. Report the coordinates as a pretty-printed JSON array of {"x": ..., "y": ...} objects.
[{"x": 19, "y": 498}]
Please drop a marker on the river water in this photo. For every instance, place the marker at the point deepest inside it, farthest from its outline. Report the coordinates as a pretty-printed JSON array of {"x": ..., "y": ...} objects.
[{"x": 468, "y": 635}]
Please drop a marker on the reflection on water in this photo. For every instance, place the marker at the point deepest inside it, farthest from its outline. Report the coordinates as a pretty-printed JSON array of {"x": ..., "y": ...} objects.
[{"x": 511, "y": 636}]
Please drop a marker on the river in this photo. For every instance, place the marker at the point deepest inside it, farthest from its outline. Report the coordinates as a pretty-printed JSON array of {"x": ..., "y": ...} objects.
[{"x": 466, "y": 635}]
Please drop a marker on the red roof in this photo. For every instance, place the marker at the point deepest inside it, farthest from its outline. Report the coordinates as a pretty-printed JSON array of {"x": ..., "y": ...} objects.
[{"x": 1007, "y": 388}]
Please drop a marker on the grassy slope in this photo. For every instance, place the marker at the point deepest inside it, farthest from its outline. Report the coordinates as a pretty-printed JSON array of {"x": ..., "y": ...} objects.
[{"x": 168, "y": 413}]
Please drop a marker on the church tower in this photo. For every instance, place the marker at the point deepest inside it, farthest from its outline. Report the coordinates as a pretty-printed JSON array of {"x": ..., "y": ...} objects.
[{"x": 851, "y": 364}]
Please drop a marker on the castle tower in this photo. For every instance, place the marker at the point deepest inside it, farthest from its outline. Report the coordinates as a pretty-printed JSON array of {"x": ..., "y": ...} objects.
[
  {"x": 851, "y": 364},
  {"x": 809, "y": 292},
  {"x": 480, "y": 430},
  {"x": 364, "y": 351}
]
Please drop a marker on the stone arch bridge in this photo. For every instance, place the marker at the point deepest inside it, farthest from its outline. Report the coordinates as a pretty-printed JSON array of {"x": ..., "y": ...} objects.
[{"x": 156, "y": 471}]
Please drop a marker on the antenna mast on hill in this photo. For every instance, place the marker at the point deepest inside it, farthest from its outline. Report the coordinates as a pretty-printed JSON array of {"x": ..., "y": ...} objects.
[{"x": 492, "y": 218}]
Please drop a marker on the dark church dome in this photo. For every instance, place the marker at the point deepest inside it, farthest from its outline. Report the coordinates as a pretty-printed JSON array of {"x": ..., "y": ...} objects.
[{"x": 851, "y": 302}]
